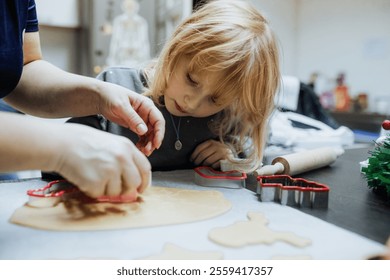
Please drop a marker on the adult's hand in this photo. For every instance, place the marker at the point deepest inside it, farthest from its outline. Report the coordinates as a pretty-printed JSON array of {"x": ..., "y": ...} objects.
[
  {"x": 134, "y": 111},
  {"x": 101, "y": 164}
]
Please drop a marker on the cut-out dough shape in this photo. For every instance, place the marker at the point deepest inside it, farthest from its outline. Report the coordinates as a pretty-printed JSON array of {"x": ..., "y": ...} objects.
[
  {"x": 159, "y": 206},
  {"x": 174, "y": 252},
  {"x": 254, "y": 231}
]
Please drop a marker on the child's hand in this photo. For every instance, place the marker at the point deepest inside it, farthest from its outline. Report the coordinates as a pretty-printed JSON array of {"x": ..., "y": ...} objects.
[{"x": 210, "y": 152}]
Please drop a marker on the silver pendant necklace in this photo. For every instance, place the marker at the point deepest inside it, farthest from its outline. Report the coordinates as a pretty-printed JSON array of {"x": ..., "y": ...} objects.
[{"x": 178, "y": 144}]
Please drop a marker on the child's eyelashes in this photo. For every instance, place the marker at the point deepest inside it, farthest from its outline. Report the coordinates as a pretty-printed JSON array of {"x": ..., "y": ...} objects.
[
  {"x": 191, "y": 80},
  {"x": 213, "y": 99}
]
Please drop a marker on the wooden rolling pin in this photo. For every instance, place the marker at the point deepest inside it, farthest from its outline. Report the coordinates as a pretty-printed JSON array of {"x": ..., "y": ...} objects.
[{"x": 301, "y": 162}]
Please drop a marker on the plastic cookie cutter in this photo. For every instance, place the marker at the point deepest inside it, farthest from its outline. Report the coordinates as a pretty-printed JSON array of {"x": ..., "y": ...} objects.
[
  {"x": 209, "y": 177},
  {"x": 51, "y": 194},
  {"x": 59, "y": 190},
  {"x": 290, "y": 191}
]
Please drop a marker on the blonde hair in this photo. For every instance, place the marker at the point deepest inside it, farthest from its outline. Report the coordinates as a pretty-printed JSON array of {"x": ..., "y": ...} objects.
[{"x": 233, "y": 38}]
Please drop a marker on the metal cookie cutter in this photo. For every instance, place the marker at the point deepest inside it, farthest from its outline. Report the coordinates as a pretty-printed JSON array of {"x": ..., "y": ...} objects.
[
  {"x": 208, "y": 177},
  {"x": 296, "y": 192},
  {"x": 55, "y": 192}
]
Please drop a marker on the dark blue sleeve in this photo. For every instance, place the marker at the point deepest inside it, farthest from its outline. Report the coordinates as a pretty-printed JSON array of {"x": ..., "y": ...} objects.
[
  {"x": 16, "y": 17},
  {"x": 32, "y": 19}
]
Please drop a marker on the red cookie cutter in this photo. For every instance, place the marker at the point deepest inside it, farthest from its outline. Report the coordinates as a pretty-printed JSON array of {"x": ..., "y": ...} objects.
[
  {"x": 55, "y": 191},
  {"x": 292, "y": 191},
  {"x": 208, "y": 177}
]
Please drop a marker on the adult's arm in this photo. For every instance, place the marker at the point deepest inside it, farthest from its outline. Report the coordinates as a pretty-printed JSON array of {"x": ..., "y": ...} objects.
[
  {"x": 97, "y": 162},
  {"x": 45, "y": 90}
]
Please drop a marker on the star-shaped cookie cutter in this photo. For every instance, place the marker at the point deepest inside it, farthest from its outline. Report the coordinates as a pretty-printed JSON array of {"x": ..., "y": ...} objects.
[{"x": 296, "y": 192}]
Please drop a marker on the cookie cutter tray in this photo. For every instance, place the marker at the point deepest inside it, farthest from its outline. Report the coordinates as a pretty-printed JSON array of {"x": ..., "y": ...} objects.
[{"x": 296, "y": 192}]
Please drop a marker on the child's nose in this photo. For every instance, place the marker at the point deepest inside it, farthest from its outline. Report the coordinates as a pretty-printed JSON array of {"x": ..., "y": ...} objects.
[{"x": 192, "y": 102}]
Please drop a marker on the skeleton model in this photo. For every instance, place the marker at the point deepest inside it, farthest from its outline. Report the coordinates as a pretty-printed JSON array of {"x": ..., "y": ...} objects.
[{"x": 129, "y": 42}]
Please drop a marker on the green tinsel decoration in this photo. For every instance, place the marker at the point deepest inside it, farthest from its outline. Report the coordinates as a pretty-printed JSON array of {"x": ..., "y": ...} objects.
[{"x": 377, "y": 172}]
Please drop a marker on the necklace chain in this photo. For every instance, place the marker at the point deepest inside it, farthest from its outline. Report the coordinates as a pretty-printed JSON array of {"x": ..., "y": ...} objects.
[{"x": 178, "y": 144}]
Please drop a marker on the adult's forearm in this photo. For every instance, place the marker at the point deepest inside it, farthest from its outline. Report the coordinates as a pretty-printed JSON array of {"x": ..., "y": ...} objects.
[
  {"x": 26, "y": 144},
  {"x": 97, "y": 162},
  {"x": 47, "y": 91}
]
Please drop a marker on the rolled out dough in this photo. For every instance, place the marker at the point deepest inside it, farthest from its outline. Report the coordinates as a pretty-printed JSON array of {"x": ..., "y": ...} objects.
[
  {"x": 254, "y": 231},
  {"x": 158, "y": 206}
]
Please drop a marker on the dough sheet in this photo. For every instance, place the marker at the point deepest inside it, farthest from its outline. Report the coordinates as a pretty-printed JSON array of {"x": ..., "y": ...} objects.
[{"x": 158, "y": 206}]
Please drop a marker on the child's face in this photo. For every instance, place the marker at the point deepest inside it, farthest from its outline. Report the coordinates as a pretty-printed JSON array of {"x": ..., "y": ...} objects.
[{"x": 191, "y": 94}]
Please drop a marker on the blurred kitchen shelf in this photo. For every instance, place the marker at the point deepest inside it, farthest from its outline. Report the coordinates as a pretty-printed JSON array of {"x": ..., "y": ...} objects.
[{"x": 369, "y": 122}]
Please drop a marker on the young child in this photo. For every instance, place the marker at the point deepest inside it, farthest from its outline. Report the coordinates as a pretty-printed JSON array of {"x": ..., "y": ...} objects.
[{"x": 214, "y": 82}]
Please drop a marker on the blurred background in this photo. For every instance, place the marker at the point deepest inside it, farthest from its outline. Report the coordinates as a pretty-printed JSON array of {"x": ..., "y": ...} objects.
[{"x": 339, "y": 47}]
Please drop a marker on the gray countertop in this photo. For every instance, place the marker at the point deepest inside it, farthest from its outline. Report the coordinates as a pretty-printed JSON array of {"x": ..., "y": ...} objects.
[{"x": 328, "y": 240}]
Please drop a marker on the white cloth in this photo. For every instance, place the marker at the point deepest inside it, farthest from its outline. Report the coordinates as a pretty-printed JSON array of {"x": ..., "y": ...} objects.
[
  {"x": 288, "y": 94},
  {"x": 282, "y": 132}
]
